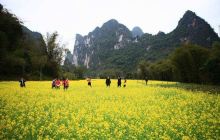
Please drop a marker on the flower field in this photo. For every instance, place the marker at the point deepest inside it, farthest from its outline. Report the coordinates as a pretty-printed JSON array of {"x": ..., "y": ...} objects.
[{"x": 135, "y": 112}]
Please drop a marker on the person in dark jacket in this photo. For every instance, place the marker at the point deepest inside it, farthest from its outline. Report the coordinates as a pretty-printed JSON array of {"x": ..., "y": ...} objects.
[
  {"x": 125, "y": 83},
  {"x": 54, "y": 83},
  {"x": 89, "y": 82},
  {"x": 146, "y": 79},
  {"x": 22, "y": 82},
  {"x": 119, "y": 81},
  {"x": 108, "y": 82}
]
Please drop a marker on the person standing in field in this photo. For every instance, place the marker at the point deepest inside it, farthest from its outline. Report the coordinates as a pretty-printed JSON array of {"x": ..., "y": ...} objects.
[
  {"x": 57, "y": 83},
  {"x": 53, "y": 83},
  {"x": 125, "y": 83},
  {"x": 65, "y": 83},
  {"x": 146, "y": 80},
  {"x": 89, "y": 82},
  {"x": 119, "y": 81},
  {"x": 108, "y": 81},
  {"x": 22, "y": 82}
]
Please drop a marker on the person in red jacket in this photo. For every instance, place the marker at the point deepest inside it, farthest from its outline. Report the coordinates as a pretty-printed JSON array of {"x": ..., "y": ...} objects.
[
  {"x": 65, "y": 84},
  {"x": 57, "y": 83}
]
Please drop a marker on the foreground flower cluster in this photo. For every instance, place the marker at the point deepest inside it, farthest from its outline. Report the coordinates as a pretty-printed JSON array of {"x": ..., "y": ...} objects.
[{"x": 81, "y": 112}]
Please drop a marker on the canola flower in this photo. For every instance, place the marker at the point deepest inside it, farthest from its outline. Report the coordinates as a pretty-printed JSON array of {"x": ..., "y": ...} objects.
[{"x": 81, "y": 112}]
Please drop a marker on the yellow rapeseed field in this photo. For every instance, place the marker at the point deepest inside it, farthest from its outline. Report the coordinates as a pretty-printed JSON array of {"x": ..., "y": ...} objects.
[{"x": 135, "y": 112}]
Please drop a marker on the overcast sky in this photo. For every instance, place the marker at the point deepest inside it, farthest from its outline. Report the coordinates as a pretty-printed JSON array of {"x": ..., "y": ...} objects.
[{"x": 69, "y": 17}]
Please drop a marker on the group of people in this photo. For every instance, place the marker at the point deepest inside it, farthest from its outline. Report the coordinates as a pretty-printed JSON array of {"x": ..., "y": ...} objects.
[
  {"x": 108, "y": 82},
  {"x": 56, "y": 83}
]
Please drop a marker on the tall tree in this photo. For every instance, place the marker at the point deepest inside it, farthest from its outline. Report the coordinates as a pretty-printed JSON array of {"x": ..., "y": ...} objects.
[
  {"x": 143, "y": 70},
  {"x": 39, "y": 62},
  {"x": 211, "y": 67},
  {"x": 189, "y": 60},
  {"x": 54, "y": 48},
  {"x": 55, "y": 52}
]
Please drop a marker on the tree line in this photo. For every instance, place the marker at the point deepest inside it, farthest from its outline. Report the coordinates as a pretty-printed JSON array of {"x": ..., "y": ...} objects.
[{"x": 188, "y": 63}]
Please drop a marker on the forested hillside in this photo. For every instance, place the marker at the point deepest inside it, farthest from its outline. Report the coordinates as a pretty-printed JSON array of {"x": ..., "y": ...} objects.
[{"x": 24, "y": 53}]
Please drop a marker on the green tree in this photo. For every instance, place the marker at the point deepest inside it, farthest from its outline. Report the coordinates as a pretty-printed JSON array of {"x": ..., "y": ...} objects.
[
  {"x": 54, "y": 49},
  {"x": 55, "y": 52},
  {"x": 163, "y": 70},
  {"x": 39, "y": 62},
  {"x": 11, "y": 26},
  {"x": 10, "y": 36},
  {"x": 143, "y": 70},
  {"x": 189, "y": 60},
  {"x": 211, "y": 68}
]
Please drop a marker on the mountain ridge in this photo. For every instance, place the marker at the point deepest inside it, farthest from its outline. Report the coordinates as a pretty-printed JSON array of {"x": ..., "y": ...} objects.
[{"x": 113, "y": 46}]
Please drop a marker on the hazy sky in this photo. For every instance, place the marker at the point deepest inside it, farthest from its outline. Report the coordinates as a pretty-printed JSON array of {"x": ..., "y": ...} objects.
[{"x": 69, "y": 17}]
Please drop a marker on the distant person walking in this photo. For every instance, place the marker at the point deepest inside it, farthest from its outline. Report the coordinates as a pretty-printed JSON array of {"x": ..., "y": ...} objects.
[
  {"x": 89, "y": 82},
  {"x": 119, "y": 81},
  {"x": 108, "y": 82},
  {"x": 125, "y": 83},
  {"x": 146, "y": 79},
  {"x": 22, "y": 82}
]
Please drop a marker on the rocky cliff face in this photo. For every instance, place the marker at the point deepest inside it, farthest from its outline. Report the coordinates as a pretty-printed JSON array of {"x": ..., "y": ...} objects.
[
  {"x": 193, "y": 29},
  {"x": 88, "y": 50}
]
